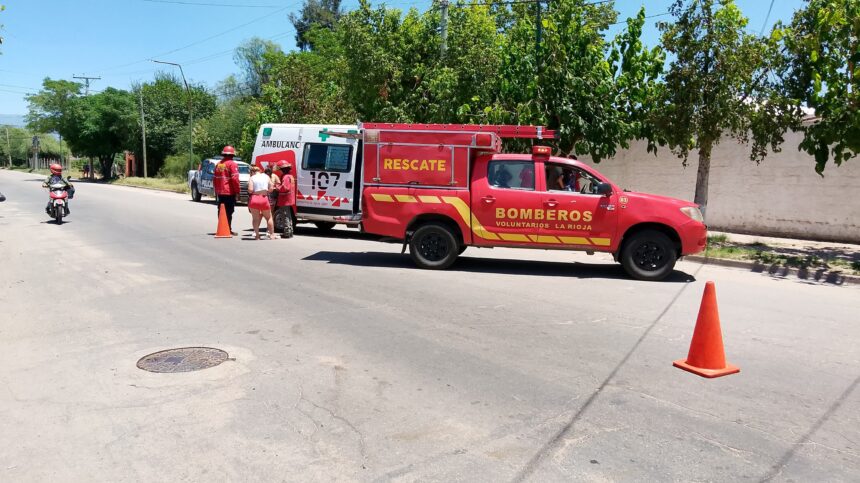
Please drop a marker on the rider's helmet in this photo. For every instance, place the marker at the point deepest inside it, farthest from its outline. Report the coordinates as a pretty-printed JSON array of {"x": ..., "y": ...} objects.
[
  {"x": 283, "y": 165},
  {"x": 56, "y": 168},
  {"x": 228, "y": 151}
]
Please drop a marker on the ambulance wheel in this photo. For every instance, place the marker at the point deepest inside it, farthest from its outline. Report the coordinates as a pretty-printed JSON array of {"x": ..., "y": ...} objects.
[
  {"x": 648, "y": 255},
  {"x": 434, "y": 247},
  {"x": 195, "y": 193},
  {"x": 324, "y": 225}
]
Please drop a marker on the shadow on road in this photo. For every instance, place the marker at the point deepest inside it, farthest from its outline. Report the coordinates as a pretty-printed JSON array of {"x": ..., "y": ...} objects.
[{"x": 491, "y": 265}]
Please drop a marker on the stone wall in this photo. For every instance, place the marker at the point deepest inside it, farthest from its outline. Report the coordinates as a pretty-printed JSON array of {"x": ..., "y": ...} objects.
[{"x": 781, "y": 196}]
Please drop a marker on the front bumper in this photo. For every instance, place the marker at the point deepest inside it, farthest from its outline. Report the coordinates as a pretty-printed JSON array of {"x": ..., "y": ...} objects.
[{"x": 694, "y": 237}]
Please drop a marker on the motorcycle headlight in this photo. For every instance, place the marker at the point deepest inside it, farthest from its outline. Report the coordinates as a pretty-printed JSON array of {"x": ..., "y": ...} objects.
[{"x": 693, "y": 213}]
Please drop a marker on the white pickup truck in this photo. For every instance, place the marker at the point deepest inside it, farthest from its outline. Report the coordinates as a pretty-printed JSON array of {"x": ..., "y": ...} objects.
[{"x": 200, "y": 180}]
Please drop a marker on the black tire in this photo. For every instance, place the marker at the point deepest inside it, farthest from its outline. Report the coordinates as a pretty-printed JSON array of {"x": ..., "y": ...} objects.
[
  {"x": 648, "y": 255},
  {"x": 324, "y": 225},
  {"x": 434, "y": 246},
  {"x": 462, "y": 249},
  {"x": 195, "y": 193},
  {"x": 58, "y": 215}
]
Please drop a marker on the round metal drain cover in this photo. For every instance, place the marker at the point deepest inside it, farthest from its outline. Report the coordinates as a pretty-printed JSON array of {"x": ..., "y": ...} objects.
[{"x": 186, "y": 359}]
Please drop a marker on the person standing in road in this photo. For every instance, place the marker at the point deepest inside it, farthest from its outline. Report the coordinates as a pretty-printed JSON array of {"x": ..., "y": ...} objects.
[
  {"x": 259, "y": 187},
  {"x": 276, "y": 181},
  {"x": 285, "y": 207},
  {"x": 226, "y": 184}
]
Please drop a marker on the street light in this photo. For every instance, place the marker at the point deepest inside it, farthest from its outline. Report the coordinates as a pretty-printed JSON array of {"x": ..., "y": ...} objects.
[{"x": 190, "y": 111}]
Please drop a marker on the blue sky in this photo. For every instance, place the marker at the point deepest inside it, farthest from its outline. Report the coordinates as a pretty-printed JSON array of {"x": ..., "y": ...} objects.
[{"x": 113, "y": 39}]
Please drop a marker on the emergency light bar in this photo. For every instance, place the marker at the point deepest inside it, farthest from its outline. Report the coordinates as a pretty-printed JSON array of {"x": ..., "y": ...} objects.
[{"x": 541, "y": 150}]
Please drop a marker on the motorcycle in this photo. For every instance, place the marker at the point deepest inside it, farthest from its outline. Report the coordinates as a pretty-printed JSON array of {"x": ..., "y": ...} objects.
[{"x": 59, "y": 199}]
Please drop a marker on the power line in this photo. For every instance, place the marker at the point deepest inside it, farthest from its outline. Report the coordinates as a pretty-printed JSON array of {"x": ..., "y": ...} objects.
[
  {"x": 766, "y": 18},
  {"x": 219, "y": 34}
]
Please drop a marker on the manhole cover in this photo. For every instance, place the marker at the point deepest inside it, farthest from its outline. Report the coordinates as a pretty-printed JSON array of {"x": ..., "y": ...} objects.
[{"x": 186, "y": 359}]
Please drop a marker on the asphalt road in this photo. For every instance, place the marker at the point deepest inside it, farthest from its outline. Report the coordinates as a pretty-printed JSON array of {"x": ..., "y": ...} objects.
[{"x": 349, "y": 364}]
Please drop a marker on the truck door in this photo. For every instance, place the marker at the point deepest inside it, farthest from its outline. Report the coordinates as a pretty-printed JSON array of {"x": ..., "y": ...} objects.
[
  {"x": 576, "y": 214},
  {"x": 506, "y": 202},
  {"x": 207, "y": 176}
]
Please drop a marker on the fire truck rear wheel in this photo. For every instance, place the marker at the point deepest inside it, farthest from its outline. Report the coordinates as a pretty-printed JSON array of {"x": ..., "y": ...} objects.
[
  {"x": 434, "y": 246},
  {"x": 648, "y": 255}
]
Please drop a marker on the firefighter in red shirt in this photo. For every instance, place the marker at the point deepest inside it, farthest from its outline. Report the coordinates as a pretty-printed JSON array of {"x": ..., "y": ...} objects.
[
  {"x": 226, "y": 184},
  {"x": 285, "y": 211}
]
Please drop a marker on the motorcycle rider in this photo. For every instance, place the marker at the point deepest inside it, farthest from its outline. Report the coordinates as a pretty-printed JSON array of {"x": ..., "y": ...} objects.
[
  {"x": 226, "y": 184},
  {"x": 56, "y": 177}
]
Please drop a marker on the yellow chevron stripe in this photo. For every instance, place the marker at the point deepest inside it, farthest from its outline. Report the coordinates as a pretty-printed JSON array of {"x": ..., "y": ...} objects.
[
  {"x": 429, "y": 199},
  {"x": 381, "y": 197},
  {"x": 405, "y": 198},
  {"x": 603, "y": 242},
  {"x": 574, "y": 240},
  {"x": 547, "y": 239},
  {"x": 514, "y": 237}
]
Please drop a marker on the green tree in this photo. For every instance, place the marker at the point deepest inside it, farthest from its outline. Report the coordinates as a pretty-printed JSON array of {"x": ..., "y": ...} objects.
[
  {"x": 165, "y": 103},
  {"x": 50, "y": 109},
  {"x": 224, "y": 127},
  {"x": 715, "y": 85},
  {"x": 822, "y": 70},
  {"x": 322, "y": 13},
  {"x": 251, "y": 57},
  {"x": 105, "y": 124}
]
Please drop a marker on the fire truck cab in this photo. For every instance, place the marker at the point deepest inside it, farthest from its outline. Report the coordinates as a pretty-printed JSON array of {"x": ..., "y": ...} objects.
[{"x": 443, "y": 188}]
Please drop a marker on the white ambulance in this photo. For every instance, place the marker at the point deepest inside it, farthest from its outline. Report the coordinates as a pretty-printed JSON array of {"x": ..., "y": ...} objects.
[{"x": 327, "y": 168}]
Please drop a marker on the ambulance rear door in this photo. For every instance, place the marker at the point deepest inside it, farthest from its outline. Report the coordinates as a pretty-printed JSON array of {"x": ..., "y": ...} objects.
[{"x": 326, "y": 178}]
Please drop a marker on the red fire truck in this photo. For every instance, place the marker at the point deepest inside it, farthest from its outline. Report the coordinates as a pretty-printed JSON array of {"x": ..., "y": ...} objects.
[{"x": 441, "y": 188}]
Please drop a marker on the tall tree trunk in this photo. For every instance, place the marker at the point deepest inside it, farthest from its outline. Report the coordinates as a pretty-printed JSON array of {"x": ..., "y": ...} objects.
[
  {"x": 107, "y": 165},
  {"x": 702, "y": 175}
]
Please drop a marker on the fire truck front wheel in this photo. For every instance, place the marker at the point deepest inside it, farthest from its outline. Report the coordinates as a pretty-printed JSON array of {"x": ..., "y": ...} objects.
[
  {"x": 648, "y": 255},
  {"x": 434, "y": 246}
]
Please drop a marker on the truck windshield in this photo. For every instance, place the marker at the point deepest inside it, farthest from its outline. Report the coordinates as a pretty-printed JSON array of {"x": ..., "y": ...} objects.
[{"x": 244, "y": 169}]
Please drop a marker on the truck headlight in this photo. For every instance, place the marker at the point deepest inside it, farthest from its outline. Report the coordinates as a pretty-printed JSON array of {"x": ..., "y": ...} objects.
[{"x": 693, "y": 213}]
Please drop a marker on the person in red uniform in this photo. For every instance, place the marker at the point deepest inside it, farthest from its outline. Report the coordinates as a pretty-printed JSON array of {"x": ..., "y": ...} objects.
[
  {"x": 286, "y": 197},
  {"x": 226, "y": 184}
]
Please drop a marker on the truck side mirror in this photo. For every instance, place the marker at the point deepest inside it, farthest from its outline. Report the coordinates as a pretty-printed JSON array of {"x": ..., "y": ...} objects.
[{"x": 604, "y": 189}]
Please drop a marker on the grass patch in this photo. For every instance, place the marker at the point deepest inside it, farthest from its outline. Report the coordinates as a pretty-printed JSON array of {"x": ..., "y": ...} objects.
[
  {"x": 758, "y": 252},
  {"x": 176, "y": 185}
]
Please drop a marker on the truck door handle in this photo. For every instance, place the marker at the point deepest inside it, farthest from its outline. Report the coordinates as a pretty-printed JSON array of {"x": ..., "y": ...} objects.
[
  {"x": 551, "y": 203},
  {"x": 488, "y": 199}
]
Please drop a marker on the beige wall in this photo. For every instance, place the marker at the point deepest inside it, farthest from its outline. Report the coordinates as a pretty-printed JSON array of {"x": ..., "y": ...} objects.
[{"x": 782, "y": 196}]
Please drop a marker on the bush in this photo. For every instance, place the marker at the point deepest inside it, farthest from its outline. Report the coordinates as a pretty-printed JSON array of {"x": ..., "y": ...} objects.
[{"x": 176, "y": 166}]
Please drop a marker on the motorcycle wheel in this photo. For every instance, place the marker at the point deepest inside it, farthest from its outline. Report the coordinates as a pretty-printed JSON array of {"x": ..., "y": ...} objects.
[{"x": 58, "y": 215}]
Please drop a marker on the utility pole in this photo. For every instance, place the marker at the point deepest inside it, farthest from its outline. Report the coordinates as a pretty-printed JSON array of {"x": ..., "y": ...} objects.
[
  {"x": 8, "y": 147},
  {"x": 86, "y": 82},
  {"x": 443, "y": 26},
  {"x": 143, "y": 124},
  {"x": 190, "y": 112}
]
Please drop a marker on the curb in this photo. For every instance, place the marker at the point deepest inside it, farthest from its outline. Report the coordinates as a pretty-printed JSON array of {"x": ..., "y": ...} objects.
[{"x": 817, "y": 275}]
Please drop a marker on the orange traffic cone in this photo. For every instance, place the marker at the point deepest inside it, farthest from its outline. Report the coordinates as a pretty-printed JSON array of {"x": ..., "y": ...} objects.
[
  {"x": 707, "y": 357},
  {"x": 223, "y": 230}
]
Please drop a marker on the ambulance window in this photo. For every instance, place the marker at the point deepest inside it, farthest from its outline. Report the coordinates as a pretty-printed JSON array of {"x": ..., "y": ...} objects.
[
  {"x": 519, "y": 175},
  {"x": 327, "y": 157}
]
